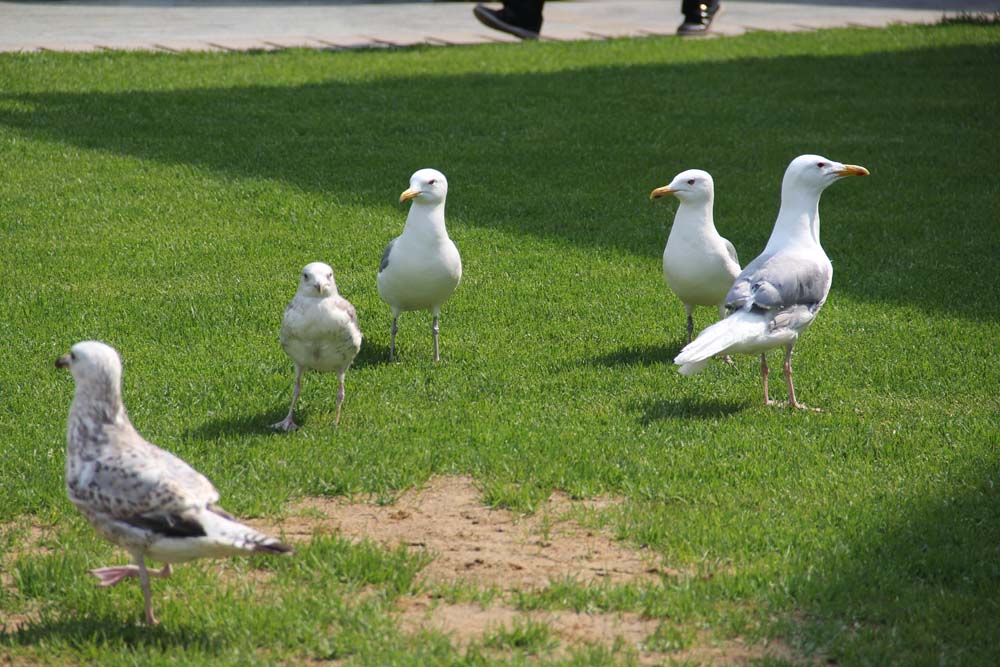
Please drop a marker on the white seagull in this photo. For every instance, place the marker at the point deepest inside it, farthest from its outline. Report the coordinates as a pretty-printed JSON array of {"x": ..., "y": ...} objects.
[
  {"x": 320, "y": 332},
  {"x": 421, "y": 267},
  {"x": 778, "y": 294},
  {"x": 138, "y": 496},
  {"x": 698, "y": 264}
]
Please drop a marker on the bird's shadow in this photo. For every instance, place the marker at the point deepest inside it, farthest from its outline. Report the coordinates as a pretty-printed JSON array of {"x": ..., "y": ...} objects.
[
  {"x": 654, "y": 410},
  {"x": 241, "y": 425},
  {"x": 110, "y": 631},
  {"x": 640, "y": 355},
  {"x": 371, "y": 354}
]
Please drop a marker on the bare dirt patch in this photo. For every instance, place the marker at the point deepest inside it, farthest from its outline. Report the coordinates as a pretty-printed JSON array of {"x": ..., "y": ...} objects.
[
  {"x": 474, "y": 543},
  {"x": 468, "y": 623},
  {"x": 13, "y": 623}
]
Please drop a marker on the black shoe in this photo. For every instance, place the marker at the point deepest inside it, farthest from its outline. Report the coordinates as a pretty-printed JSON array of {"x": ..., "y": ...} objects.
[
  {"x": 698, "y": 19},
  {"x": 498, "y": 19}
]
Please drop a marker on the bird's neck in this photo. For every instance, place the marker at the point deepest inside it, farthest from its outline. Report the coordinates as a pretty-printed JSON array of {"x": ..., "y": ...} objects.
[
  {"x": 695, "y": 217},
  {"x": 89, "y": 418},
  {"x": 426, "y": 222},
  {"x": 798, "y": 220}
]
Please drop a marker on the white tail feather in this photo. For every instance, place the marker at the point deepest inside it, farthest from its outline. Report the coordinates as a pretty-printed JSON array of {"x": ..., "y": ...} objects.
[
  {"x": 228, "y": 532},
  {"x": 693, "y": 367},
  {"x": 739, "y": 328}
]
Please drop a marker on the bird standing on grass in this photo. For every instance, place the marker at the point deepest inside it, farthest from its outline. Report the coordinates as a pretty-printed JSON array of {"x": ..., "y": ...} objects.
[
  {"x": 698, "y": 264},
  {"x": 138, "y": 496},
  {"x": 778, "y": 294},
  {"x": 320, "y": 332},
  {"x": 421, "y": 267}
]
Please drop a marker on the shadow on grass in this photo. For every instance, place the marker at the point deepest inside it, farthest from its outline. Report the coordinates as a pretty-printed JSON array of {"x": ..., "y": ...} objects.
[
  {"x": 916, "y": 585},
  {"x": 111, "y": 631},
  {"x": 646, "y": 355},
  {"x": 686, "y": 408},
  {"x": 242, "y": 425},
  {"x": 371, "y": 354},
  {"x": 356, "y": 142}
]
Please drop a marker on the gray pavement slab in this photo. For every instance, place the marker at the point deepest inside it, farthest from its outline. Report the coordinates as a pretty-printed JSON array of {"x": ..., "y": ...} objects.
[{"x": 237, "y": 25}]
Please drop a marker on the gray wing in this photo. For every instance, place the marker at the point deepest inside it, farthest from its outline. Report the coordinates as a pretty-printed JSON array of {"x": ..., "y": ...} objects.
[
  {"x": 785, "y": 279},
  {"x": 147, "y": 487},
  {"x": 385, "y": 256}
]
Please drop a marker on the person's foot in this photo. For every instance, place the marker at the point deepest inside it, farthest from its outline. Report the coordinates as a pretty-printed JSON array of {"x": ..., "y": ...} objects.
[
  {"x": 698, "y": 17},
  {"x": 498, "y": 19}
]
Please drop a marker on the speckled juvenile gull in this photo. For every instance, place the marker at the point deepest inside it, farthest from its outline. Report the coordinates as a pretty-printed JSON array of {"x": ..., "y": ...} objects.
[
  {"x": 699, "y": 265},
  {"x": 779, "y": 293},
  {"x": 138, "y": 496},
  {"x": 421, "y": 267},
  {"x": 319, "y": 332}
]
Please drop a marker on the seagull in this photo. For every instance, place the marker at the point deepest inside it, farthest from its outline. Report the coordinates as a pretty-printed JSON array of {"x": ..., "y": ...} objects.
[
  {"x": 778, "y": 294},
  {"x": 138, "y": 496},
  {"x": 421, "y": 267},
  {"x": 320, "y": 332},
  {"x": 698, "y": 264}
]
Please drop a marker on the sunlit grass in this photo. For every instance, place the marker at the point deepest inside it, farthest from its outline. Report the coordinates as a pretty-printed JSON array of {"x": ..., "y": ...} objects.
[{"x": 165, "y": 204}]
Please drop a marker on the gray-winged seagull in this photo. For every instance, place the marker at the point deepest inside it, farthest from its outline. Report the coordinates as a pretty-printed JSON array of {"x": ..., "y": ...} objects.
[
  {"x": 699, "y": 265},
  {"x": 778, "y": 294},
  {"x": 138, "y": 496},
  {"x": 320, "y": 332},
  {"x": 421, "y": 267}
]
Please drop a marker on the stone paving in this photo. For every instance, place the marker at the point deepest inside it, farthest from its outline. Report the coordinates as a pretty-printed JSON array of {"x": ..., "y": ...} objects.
[{"x": 230, "y": 25}]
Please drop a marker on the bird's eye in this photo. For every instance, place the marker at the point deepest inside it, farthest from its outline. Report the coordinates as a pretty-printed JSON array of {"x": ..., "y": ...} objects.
[
  {"x": 72, "y": 356},
  {"x": 305, "y": 276},
  {"x": 821, "y": 164},
  {"x": 690, "y": 181},
  {"x": 329, "y": 276},
  {"x": 432, "y": 181}
]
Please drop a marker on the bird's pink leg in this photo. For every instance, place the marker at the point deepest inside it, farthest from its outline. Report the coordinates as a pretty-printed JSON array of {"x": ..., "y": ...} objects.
[
  {"x": 764, "y": 372},
  {"x": 147, "y": 593},
  {"x": 434, "y": 331},
  {"x": 392, "y": 337},
  {"x": 340, "y": 399},
  {"x": 288, "y": 424},
  {"x": 791, "y": 387},
  {"x": 109, "y": 576}
]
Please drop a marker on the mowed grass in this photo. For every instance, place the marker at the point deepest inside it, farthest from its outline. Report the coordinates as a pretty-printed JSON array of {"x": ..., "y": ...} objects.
[{"x": 165, "y": 204}]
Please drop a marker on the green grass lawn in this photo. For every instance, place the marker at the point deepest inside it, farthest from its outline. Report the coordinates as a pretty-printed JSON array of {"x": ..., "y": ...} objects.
[{"x": 165, "y": 204}]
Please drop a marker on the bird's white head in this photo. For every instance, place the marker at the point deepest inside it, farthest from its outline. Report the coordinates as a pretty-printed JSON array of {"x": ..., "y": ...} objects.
[
  {"x": 427, "y": 186},
  {"x": 693, "y": 186},
  {"x": 93, "y": 365},
  {"x": 814, "y": 173},
  {"x": 317, "y": 280}
]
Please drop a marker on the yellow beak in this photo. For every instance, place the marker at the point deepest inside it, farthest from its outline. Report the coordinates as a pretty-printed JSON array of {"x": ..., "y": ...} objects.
[
  {"x": 661, "y": 192},
  {"x": 852, "y": 170},
  {"x": 409, "y": 194}
]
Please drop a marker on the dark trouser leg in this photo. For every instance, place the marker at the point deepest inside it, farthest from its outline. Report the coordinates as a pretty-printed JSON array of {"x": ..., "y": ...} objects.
[
  {"x": 693, "y": 8},
  {"x": 524, "y": 13}
]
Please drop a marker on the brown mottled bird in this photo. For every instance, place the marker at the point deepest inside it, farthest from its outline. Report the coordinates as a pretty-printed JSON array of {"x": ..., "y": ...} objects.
[{"x": 138, "y": 496}]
